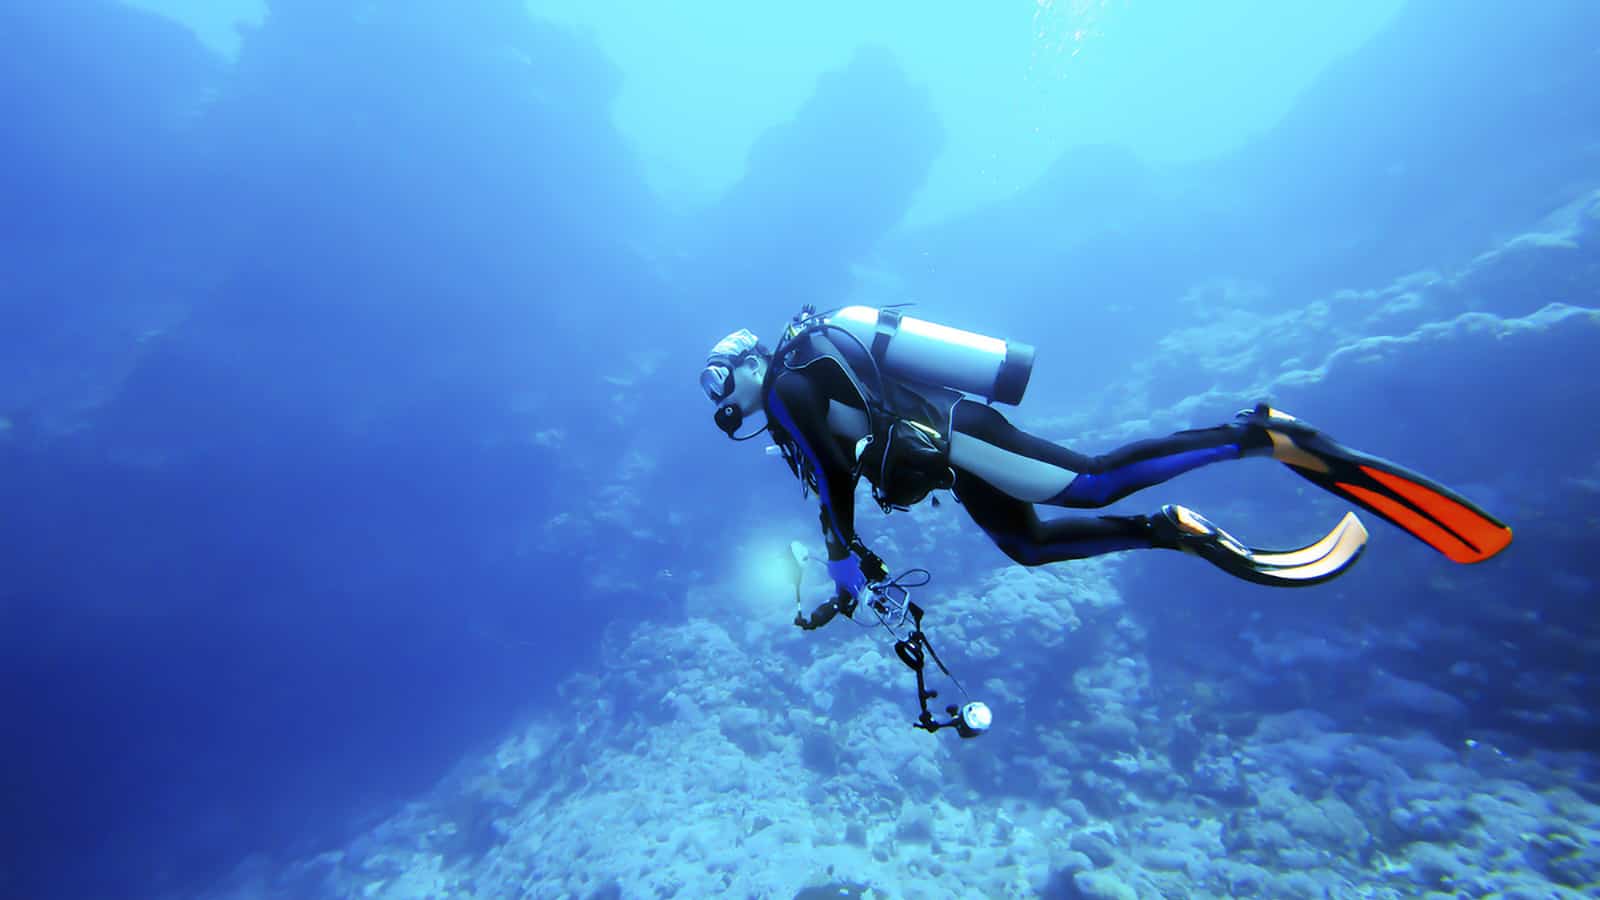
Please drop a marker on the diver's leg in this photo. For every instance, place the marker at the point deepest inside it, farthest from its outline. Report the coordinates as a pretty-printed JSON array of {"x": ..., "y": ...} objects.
[
  {"x": 1016, "y": 529},
  {"x": 1039, "y": 471}
]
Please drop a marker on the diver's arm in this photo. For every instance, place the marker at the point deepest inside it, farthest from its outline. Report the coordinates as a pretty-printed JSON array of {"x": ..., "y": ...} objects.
[
  {"x": 842, "y": 601},
  {"x": 801, "y": 410}
]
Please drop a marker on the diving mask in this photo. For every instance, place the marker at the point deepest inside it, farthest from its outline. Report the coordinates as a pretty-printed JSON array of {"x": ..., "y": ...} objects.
[{"x": 717, "y": 381}]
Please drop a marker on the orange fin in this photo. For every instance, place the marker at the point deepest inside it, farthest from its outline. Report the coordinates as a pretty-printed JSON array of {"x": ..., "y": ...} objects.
[{"x": 1459, "y": 531}]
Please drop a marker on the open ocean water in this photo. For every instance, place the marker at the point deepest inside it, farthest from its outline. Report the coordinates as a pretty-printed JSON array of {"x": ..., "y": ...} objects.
[{"x": 363, "y": 531}]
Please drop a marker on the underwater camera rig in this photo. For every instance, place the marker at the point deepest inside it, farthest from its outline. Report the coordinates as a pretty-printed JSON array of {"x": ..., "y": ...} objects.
[{"x": 890, "y": 602}]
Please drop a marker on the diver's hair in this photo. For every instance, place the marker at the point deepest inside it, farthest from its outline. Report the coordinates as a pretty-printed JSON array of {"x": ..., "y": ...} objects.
[
  {"x": 736, "y": 348},
  {"x": 759, "y": 349}
]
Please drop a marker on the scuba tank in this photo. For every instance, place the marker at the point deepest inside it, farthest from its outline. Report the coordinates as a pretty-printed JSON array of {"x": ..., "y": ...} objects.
[{"x": 938, "y": 355}]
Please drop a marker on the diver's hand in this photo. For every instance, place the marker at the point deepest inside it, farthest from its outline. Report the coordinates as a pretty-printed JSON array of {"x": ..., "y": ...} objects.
[
  {"x": 848, "y": 575},
  {"x": 861, "y": 568},
  {"x": 824, "y": 614}
]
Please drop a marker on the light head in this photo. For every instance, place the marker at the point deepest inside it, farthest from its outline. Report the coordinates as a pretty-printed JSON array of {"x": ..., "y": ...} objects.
[{"x": 973, "y": 719}]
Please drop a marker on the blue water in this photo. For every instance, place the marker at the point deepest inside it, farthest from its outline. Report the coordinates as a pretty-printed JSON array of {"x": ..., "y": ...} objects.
[{"x": 349, "y": 430}]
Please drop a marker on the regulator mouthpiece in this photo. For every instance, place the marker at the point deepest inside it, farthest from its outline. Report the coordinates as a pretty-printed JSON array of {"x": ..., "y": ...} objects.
[{"x": 729, "y": 417}]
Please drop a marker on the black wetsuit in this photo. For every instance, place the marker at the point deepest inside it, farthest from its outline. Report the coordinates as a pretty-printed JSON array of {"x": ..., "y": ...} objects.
[
  {"x": 1098, "y": 481},
  {"x": 797, "y": 407}
]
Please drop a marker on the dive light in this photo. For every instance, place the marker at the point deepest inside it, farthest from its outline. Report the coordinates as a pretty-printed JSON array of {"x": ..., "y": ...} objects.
[
  {"x": 891, "y": 603},
  {"x": 972, "y": 719}
]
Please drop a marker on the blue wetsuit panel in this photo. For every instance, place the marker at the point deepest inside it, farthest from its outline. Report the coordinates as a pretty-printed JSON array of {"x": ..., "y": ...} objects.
[{"x": 1101, "y": 488}]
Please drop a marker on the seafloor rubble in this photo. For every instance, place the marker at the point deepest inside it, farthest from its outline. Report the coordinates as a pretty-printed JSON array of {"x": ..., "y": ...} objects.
[{"x": 754, "y": 762}]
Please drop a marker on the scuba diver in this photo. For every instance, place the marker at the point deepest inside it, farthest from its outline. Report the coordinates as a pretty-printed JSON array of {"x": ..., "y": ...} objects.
[{"x": 907, "y": 404}]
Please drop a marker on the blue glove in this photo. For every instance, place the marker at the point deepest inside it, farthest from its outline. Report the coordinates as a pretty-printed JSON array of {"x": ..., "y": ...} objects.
[{"x": 847, "y": 575}]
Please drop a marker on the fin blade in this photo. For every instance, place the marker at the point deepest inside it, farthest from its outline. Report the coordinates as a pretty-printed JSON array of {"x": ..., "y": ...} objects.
[
  {"x": 1434, "y": 514},
  {"x": 1423, "y": 528},
  {"x": 1482, "y": 534},
  {"x": 1452, "y": 545},
  {"x": 1343, "y": 545},
  {"x": 1281, "y": 559},
  {"x": 1313, "y": 564}
]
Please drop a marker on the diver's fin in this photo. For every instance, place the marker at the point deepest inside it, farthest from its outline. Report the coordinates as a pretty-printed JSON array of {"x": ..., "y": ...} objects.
[
  {"x": 1338, "y": 547},
  {"x": 1325, "y": 559},
  {"x": 1436, "y": 515}
]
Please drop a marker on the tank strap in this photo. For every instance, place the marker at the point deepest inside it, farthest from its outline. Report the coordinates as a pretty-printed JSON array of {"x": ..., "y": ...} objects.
[
  {"x": 888, "y": 326},
  {"x": 873, "y": 402}
]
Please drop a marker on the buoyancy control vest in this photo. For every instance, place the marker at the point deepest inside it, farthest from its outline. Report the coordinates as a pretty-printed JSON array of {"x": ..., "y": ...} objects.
[{"x": 906, "y": 452}]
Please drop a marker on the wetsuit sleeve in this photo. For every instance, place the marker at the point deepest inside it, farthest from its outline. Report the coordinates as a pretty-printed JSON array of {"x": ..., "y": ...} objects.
[{"x": 801, "y": 410}]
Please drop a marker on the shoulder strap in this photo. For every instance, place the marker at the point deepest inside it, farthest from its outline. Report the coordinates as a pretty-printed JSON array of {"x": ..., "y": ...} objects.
[{"x": 824, "y": 346}]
